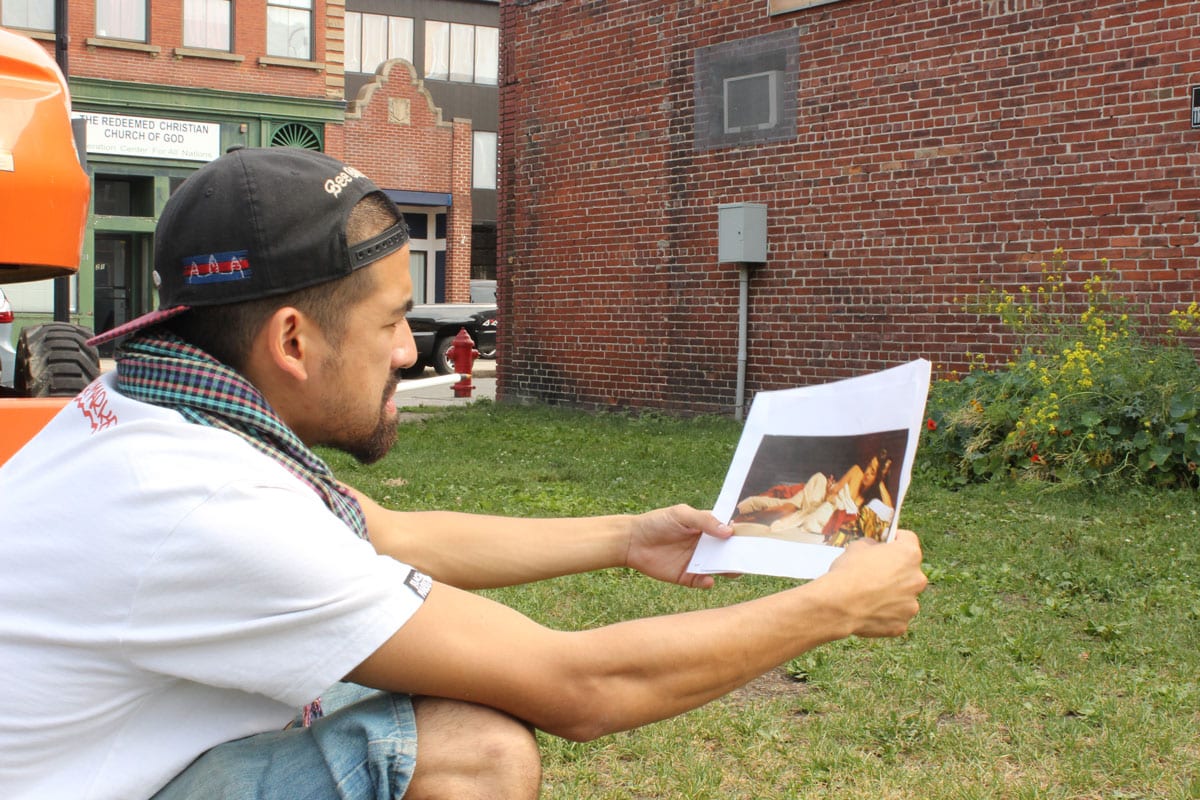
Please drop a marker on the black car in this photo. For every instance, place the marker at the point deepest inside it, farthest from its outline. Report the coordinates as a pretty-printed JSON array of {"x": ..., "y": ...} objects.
[{"x": 435, "y": 325}]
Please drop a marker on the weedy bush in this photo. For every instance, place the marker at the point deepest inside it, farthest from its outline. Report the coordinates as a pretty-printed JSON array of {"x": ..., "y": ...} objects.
[{"x": 1087, "y": 398}]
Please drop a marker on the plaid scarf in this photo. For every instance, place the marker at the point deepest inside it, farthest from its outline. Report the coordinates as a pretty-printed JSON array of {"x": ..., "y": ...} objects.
[{"x": 159, "y": 368}]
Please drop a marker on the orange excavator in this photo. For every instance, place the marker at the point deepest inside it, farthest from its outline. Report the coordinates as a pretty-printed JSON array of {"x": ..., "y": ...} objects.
[{"x": 44, "y": 193}]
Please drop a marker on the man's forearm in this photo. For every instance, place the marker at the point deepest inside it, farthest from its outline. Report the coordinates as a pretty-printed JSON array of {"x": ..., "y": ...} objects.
[
  {"x": 681, "y": 662},
  {"x": 636, "y": 672},
  {"x": 473, "y": 551},
  {"x": 584, "y": 684}
]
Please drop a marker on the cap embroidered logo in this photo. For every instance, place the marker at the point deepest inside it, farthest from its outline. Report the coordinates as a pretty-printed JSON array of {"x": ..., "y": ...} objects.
[
  {"x": 343, "y": 179},
  {"x": 217, "y": 267}
]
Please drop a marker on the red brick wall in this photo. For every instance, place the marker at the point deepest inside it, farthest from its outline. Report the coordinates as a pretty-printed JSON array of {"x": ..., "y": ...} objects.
[
  {"x": 458, "y": 233},
  {"x": 396, "y": 135},
  {"x": 939, "y": 143},
  {"x": 164, "y": 67}
]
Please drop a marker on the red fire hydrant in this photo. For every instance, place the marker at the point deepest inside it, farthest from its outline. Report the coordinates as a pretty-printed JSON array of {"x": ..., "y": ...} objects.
[{"x": 462, "y": 353}]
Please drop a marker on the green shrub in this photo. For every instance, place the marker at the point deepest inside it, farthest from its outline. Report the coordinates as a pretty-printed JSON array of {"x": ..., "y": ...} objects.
[{"x": 1087, "y": 398}]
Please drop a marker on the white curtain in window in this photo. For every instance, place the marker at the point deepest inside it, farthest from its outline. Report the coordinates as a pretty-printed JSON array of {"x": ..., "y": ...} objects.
[
  {"x": 487, "y": 55},
  {"x": 462, "y": 52},
  {"x": 416, "y": 269},
  {"x": 483, "y": 160},
  {"x": 121, "y": 19},
  {"x": 400, "y": 38},
  {"x": 206, "y": 24},
  {"x": 353, "y": 41},
  {"x": 289, "y": 28},
  {"x": 437, "y": 49},
  {"x": 374, "y": 41},
  {"x": 37, "y": 15}
]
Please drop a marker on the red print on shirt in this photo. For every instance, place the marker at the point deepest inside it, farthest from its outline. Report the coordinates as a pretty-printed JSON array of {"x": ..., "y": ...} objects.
[{"x": 93, "y": 402}]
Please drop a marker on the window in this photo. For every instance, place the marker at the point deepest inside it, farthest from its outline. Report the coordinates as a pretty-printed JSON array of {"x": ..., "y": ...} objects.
[
  {"x": 416, "y": 271},
  {"x": 372, "y": 39},
  {"x": 427, "y": 252},
  {"x": 121, "y": 19},
  {"x": 483, "y": 160},
  {"x": 124, "y": 196},
  {"x": 747, "y": 90},
  {"x": 463, "y": 53},
  {"x": 37, "y": 15},
  {"x": 751, "y": 102},
  {"x": 487, "y": 55},
  {"x": 206, "y": 24},
  {"x": 783, "y": 6},
  {"x": 289, "y": 28}
]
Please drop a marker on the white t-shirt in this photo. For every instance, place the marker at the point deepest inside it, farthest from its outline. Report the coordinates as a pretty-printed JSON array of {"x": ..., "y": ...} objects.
[{"x": 166, "y": 587}]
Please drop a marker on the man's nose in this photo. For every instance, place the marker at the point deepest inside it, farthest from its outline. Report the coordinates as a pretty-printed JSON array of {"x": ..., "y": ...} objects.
[{"x": 404, "y": 352}]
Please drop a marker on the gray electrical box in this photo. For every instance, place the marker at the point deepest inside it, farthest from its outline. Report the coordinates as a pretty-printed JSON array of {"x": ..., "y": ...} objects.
[{"x": 742, "y": 233}]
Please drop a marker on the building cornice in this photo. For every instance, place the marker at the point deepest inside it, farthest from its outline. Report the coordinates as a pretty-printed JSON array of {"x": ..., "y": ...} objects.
[{"x": 173, "y": 100}]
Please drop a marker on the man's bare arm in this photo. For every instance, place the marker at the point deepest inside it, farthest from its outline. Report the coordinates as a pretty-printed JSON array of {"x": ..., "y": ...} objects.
[
  {"x": 584, "y": 684},
  {"x": 475, "y": 551}
]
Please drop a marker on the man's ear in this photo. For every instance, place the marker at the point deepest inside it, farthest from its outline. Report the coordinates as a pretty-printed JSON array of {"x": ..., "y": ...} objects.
[{"x": 290, "y": 342}]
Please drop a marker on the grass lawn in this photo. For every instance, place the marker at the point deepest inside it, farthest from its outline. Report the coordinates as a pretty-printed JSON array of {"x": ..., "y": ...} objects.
[{"x": 1057, "y": 653}]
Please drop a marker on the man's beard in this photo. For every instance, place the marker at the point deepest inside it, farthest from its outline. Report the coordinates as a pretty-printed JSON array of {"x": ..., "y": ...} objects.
[{"x": 375, "y": 445}]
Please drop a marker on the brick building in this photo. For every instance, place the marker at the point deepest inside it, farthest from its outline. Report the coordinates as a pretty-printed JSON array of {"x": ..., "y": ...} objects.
[
  {"x": 164, "y": 89},
  {"x": 905, "y": 150},
  {"x": 453, "y": 46}
]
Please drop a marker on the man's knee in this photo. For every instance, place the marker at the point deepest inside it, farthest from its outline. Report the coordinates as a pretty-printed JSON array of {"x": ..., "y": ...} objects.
[
  {"x": 466, "y": 751},
  {"x": 509, "y": 754}
]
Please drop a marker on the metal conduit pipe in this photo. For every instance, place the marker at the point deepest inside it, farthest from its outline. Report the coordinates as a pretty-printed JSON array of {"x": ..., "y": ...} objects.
[
  {"x": 743, "y": 327},
  {"x": 742, "y": 240}
]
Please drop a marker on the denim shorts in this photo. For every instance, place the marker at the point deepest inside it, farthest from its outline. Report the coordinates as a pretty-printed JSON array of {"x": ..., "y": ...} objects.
[{"x": 365, "y": 747}]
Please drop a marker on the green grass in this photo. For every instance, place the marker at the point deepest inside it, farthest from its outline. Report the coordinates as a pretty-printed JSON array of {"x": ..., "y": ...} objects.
[{"x": 1056, "y": 655}]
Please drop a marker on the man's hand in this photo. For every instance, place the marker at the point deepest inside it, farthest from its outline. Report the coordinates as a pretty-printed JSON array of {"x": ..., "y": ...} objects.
[
  {"x": 661, "y": 543},
  {"x": 879, "y": 584}
]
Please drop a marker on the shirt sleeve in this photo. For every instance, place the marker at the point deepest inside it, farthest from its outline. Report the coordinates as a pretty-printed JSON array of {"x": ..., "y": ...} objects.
[{"x": 262, "y": 589}]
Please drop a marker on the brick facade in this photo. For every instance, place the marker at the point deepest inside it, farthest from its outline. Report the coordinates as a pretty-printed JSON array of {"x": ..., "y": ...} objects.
[
  {"x": 164, "y": 61},
  {"x": 937, "y": 144},
  {"x": 395, "y": 134}
]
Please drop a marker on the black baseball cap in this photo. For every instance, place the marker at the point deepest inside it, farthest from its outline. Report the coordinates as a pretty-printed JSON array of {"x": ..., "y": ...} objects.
[{"x": 258, "y": 222}]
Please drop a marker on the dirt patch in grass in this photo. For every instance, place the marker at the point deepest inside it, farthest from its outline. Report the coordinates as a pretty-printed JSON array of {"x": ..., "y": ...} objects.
[
  {"x": 775, "y": 684},
  {"x": 413, "y": 416}
]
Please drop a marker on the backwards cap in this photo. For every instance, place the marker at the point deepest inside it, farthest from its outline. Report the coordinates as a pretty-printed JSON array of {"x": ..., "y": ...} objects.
[{"x": 254, "y": 223}]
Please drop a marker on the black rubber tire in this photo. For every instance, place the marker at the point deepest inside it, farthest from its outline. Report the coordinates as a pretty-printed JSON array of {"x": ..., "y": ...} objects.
[
  {"x": 54, "y": 360},
  {"x": 440, "y": 357}
]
